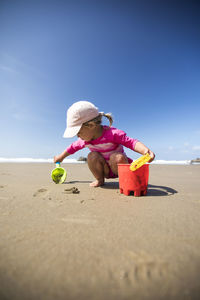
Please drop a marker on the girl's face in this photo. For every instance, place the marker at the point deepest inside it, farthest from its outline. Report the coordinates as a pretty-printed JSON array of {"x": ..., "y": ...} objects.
[{"x": 89, "y": 132}]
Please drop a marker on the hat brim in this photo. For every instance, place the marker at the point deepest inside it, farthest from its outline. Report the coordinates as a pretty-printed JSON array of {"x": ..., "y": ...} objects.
[{"x": 71, "y": 131}]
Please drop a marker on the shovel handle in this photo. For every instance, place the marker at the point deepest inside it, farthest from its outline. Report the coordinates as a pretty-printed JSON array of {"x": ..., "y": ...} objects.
[{"x": 58, "y": 165}]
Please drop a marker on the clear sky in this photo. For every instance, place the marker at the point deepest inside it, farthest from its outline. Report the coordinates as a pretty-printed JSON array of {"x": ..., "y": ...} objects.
[{"x": 139, "y": 60}]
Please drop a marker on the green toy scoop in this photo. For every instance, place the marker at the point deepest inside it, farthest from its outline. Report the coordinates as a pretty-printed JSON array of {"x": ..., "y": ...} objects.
[{"x": 58, "y": 174}]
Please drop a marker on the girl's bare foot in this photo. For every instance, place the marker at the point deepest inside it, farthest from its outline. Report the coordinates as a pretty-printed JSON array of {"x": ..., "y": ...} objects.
[{"x": 97, "y": 183}]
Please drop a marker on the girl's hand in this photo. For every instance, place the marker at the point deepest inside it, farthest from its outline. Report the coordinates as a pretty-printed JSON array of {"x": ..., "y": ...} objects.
[
  {"x": 60, "y": 157},
  {"x": 142, "y": 149},
  {"x": 57, "y": 158},
  {"x": 151, "y": 154}
]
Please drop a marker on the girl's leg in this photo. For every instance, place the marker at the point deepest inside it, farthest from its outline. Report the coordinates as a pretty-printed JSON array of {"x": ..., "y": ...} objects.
[
  {"x": 98, "y": 167},
  {"x": 115, "y": 159}
]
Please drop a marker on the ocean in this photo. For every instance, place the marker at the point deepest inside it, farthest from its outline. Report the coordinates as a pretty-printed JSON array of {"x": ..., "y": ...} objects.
[{"x": 75, "y": 161}]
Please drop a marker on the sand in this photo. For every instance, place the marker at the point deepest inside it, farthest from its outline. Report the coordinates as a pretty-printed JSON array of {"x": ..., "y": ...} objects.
[{"x": 98, "y": 243}]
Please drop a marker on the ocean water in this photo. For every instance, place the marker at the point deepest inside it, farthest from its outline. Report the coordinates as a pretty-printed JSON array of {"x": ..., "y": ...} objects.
[
  {"x": 74, "y": 161},
  {"x": 36, "y": 160},
  {"x": 171, "y": 162}
]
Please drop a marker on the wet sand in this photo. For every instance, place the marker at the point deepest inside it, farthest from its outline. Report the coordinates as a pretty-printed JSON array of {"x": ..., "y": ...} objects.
[{"x": 98, "y": 243}]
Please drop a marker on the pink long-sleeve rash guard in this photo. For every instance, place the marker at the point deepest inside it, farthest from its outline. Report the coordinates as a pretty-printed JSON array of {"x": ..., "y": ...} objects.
[{"x": 112, "y": 140}]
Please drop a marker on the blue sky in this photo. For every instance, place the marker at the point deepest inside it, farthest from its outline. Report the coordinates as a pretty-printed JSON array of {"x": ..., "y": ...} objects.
[{"x": 139, "y": 60}]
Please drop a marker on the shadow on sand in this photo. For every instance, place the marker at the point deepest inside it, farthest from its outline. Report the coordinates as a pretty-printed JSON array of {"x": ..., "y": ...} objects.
[
  {"x": 77, "y": 181},
  {"x": 153, "y": 190},
  {"x": 158, "y": 190}
]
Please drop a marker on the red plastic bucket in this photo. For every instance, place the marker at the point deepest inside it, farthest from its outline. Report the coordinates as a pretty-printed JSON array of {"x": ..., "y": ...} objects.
[{"x": 133, "y": 181}]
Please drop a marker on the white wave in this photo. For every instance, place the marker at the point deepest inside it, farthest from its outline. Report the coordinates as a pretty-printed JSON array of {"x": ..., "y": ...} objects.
[
  {"x": 36, "y": 160},
  {"x": 171, "y": 162},
  {"x": 74, "y": 161}
]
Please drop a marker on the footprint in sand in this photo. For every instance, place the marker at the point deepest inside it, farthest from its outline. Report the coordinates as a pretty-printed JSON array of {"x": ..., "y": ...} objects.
[
  {"x": 145, "y": 268},
  {"x": 41, "y": 192},
  {"x": 3, "y": 198}
]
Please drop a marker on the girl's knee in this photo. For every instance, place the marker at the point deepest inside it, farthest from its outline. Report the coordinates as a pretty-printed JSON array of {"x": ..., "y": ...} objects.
[
  {"x": 94, "y": 156},
  {"x": 118, "y": 158},
  {"x": 98, "y": 165}
]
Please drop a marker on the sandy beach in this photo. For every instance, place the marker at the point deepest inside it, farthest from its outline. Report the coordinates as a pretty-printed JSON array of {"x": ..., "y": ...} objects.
[{"x": 98, "y": 243}]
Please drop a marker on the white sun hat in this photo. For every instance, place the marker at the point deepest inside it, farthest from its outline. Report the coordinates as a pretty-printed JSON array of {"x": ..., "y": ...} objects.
[{"x": 77, "y": 114}]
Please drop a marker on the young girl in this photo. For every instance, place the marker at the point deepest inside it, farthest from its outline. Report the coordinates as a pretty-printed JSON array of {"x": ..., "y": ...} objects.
[{"x": 105, "y": 142}]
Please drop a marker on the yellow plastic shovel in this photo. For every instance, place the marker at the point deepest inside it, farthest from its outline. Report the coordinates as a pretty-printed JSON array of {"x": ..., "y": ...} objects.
[{"x": 140, "y": 162}]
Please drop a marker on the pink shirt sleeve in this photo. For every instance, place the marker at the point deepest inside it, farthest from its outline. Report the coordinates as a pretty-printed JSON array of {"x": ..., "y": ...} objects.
[
  {"x": 75, "y": 146},
  {"x": 120, "y": 137}
]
